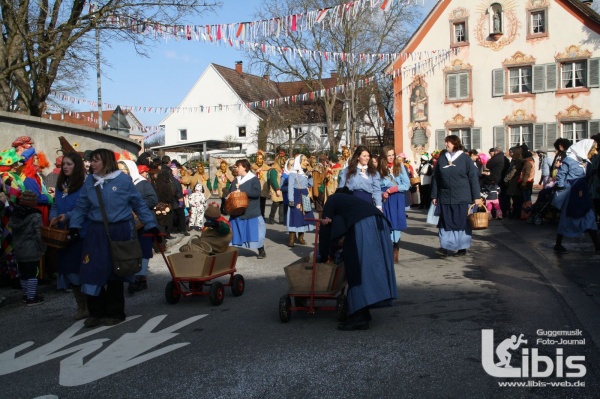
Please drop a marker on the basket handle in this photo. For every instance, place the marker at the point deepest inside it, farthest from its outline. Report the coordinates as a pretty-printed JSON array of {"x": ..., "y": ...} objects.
[{"x": 477, "y": 207}]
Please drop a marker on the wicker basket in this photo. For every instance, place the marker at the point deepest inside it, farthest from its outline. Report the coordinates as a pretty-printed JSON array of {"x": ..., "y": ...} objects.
[
  {"x": 414, "y": 181},
  {"x": 56, "y": 238},
  {"x": 478, "y": 220},
  {"x": 236, "y": 203}
]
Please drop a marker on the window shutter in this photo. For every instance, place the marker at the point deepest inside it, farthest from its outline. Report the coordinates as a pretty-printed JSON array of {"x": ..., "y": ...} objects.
[
  {"x": 440, "y": 136},
  {"x": 539, "y": 78},
  {"x": 593, "y": 68},
  {"x": 551, "y": 133},
  {"x": 476, "y": 138},
  {"x": 593, "y": 127},
  {"x": 551, "y": 77},
  {"x": 538, "y": 136},
  {"x": 452, "y": 86},
  {"x": 463, "y": 85},
  {"x": 499, "y": 132},
  {"x": 498, "y": 82}
]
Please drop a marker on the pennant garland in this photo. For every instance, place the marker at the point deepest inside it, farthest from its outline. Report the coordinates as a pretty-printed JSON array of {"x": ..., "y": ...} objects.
[
  {"x": 421, "y": 67},
  {"x": 254, "y": 30}
]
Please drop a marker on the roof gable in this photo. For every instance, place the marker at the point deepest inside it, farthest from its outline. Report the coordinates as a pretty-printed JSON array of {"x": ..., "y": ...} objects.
[{"x": 582, "y": 12}]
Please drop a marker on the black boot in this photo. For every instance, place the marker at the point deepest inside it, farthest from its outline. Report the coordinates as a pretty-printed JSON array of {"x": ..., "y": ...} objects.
[
  {"x": 558, "y": 246},
  {"x": 261, "y": 253},
  {"x": 359, "y": 320}
]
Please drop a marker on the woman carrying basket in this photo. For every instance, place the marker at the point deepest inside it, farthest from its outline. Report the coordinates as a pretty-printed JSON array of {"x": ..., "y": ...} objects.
[
  {"x": 104, "y": 289},
  {"x": 454, "y": 187},
  {"x": 249, "y": 229},
  {"x": 68, "y": 189}
]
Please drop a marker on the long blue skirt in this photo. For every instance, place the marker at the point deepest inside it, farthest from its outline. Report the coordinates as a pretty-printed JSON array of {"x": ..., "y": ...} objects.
[
  {"x": 68, "y": 265},
  {"x": 376, "y": 256},
  {"x": 96, "y": 264},
  {"x": 455, "y": 232},
  {"x": 248, "y": 233},
  {"x": 393, "y": 209},
  {"x": 295, "y": 217}
]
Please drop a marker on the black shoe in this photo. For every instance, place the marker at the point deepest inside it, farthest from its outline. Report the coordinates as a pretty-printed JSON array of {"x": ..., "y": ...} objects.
[
  {"x": 461, "y": 252},
  {"x": 353, "y": 324},
  {"x": 38, "y": 300},
  {"x": 560, "y": 249},
  {"x": 91, "y": 322},
  {"x": 441, "y": 252},
  {"x": 261, "y": 253}
]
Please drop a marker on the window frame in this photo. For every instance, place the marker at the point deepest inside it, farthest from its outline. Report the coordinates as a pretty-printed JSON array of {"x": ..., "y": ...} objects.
[
  {"x": 458, "y": 132},
  {"x": 583, "y": 122},
  {"x": 453, "y": 24},
  {"x": 508, "y": 90},
  {"x": 242, "y": 132},
  {"x": 183, "y": 136},
  {"x": 574, "y": 63},
  {"x": 521, "y": 141},
  {"x": 530, "y": 14},
  {"x": 469, "y": 97}
]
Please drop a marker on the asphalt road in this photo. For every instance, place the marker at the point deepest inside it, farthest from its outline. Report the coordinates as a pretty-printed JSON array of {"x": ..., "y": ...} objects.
[{"x": 428, "y": 345}]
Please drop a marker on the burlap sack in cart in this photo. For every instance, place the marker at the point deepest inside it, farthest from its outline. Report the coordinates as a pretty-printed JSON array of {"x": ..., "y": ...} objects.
[{"x": 194, "y": 244}]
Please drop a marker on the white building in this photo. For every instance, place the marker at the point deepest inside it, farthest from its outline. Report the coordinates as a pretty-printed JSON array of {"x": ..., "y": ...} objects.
[
  {"x": 214, "y": 115},
  {"x": 528, "y": 71}
]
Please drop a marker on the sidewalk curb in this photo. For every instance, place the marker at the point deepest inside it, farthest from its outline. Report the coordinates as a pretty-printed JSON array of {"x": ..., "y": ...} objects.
[{"x": 584, "y": 307}]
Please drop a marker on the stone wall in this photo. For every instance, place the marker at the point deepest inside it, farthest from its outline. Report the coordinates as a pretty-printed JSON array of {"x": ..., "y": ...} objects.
[{"x": 45, "y": 134}]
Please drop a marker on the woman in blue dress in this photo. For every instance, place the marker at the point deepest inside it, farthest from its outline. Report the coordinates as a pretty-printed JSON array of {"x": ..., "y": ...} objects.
[
  {"x": 284, "y": 186},
  {"x": 298, "y": 184},
  {"x": 68, "y": 188},
  {"x": 394, "y": 183},
  {"x": 249, "y": 229},
  {"x": 362, "y": 178},
  {"x": 104, "y": 289},
  {"x": 576, "y": 213},
  {"x": 364, "y": 234}
]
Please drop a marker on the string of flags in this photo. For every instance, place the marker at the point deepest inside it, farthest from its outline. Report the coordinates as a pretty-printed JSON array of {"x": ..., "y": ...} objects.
[
  {"x": 253, "y": 30},
  {"x": 420, "y": 68}
]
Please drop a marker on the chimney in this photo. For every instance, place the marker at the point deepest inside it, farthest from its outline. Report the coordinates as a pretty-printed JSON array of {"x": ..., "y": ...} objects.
[
  {"x": 238, "y": 67},
  {"x": 334, "y": 74},
  {"x": 266, "y": 77}
]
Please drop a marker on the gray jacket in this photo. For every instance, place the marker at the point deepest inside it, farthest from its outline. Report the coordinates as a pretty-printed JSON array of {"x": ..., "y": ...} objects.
[{"x": 27, "y": 236}]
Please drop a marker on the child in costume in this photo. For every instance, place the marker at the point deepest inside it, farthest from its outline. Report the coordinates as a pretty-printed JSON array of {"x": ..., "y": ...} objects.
[{"x": 198, "y": 205}]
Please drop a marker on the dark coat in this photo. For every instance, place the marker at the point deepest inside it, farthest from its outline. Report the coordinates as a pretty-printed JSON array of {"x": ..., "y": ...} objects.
[
  {"x": 457, "y": 184},
  {"x": 345, "y": 211},
  {"x": 498, "y": 166},
  {"x": 252, "y": 189}
]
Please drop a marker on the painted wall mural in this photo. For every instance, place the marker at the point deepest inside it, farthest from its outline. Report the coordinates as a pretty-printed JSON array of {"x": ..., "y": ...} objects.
[
  {"x": 497, "y": 25},
  {"x": 418, "y": 128}
]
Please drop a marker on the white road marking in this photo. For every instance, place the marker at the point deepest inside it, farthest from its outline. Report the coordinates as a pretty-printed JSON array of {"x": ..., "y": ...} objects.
[{"x": 129, "y": 350}]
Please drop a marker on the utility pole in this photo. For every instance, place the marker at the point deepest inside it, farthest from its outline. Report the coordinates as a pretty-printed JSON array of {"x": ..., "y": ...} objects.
[{"x": 98, "y": 77}]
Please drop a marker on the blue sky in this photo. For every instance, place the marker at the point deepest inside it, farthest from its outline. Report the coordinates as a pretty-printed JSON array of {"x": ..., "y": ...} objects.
[{"x": 166, "y": 76}]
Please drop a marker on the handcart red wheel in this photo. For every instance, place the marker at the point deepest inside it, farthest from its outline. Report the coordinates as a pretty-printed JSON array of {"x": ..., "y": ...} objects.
[
  {"x": 312, "y": 282},
  {"x": 194, "y": 274},
  {"x": 238, "y": 285},
  {"x": 171, "y": 294},
  {"x": 216, "y": 294},
  {"x": 285, "y": 305}
]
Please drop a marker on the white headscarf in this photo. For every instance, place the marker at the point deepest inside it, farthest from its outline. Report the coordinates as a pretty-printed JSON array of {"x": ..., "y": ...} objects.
[
  {"x": 297, "y": 168},
  {"x": 286, "y": 169},
  {"x": 133, "y": 171},
  {"x": 580, "y": 150}
]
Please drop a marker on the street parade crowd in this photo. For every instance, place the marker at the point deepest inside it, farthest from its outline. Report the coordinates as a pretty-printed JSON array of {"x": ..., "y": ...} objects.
[{"x": 361, "y": 199}]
